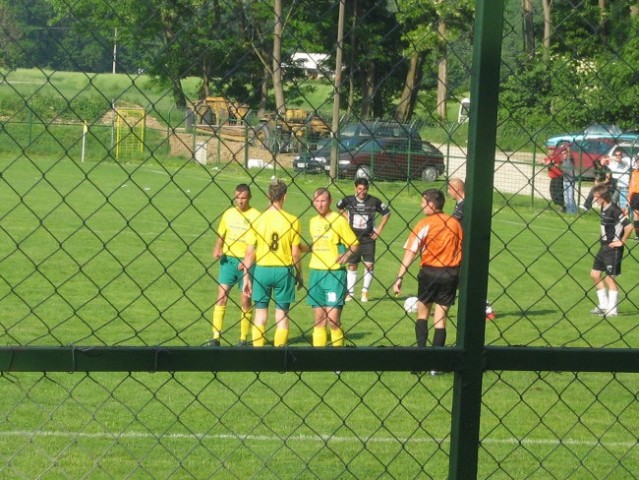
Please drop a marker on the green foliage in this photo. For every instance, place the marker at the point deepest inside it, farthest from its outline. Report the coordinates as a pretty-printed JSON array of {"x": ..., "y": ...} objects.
[
  {"x": 613, "y": 96},
  {"x": 10, "y": 53},
  {"x": 547, "y": 93},
  {"x": 50, "y": 107}
]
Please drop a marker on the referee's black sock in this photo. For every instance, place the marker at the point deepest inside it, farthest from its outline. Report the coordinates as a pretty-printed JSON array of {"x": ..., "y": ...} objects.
[
  {"x": 439, "y": 338},
  {"x": 421, "y": 332}
]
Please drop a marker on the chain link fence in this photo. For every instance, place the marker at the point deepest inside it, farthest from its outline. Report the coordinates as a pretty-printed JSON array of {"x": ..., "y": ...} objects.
[{"x": 108, "y": 222}]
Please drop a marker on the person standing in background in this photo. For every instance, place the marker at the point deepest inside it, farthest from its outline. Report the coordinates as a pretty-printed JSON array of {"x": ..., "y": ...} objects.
[
  {"x": 556, "y": 182},
  {"x": 569, "y": 178},
  {"x": 633, "y": 196},
  {"x": 361, "y": 210},
  {"x": 457, "y": 191},
  {"x": 230, "y": 249},
  {"x": 620, "y": 168}
]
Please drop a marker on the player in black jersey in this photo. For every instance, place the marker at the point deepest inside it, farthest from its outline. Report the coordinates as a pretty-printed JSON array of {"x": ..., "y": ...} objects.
[
  {"x": 615, "y": 231},
  {"x": 361, "y": 210}
]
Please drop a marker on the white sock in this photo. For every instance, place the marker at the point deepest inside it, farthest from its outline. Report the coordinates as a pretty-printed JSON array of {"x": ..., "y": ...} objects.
[
  {"x": 603, "y": 299},
  {"x": 368, "y": 279},
  {"x": 612, "y": 300},
  {"x": 351, "y": 280}
]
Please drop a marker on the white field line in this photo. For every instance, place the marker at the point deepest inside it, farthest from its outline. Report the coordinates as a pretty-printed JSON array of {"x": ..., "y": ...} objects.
[{"x": 305, "y": 438}]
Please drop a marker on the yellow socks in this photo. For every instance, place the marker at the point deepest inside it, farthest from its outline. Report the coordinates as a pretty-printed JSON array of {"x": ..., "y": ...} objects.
[
  {"x": 337, "y": 337},
  {"x": 259, "y": 339},
  {"x": 319, "y": 337},
  {"x": 281, "y": 337},
  {"x": 218, "y": 320},
  {"x": 258, "y": 336},
  {"x": 245, "y": 324}
]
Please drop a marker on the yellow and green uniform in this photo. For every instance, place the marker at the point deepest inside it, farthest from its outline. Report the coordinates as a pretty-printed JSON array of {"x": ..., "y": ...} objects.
[
  {"x": 331, "y": 236},
  {"x": 233, "y": 228},
  {"x": 274, "y": 234}
]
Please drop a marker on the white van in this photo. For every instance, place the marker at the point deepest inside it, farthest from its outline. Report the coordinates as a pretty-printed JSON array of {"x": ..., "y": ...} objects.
[{"x": 464, "y": 110}]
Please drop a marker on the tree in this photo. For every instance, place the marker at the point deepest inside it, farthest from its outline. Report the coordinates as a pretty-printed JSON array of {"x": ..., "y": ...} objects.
[
  {"x": 431, "y": 27},
  {"x": 528, "y": 26},
  {"x": 166, "y": 33},
  {"x": 547, "y": 9},
  {"x": 420, "y": 37},
  {"x": 10, "y": 36},
  {"x": 30, "y": 41},
  {"x": 278, "y": 27},
  {"x": 375, "y": 65}
]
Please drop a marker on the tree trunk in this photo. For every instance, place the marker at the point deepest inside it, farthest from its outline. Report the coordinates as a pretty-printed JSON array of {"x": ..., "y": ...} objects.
[
  {"x": 176, "y": 83},
  {"x": 351, "y": 76},
  {"x": 368, "y": 91},
  {"x": 406, "y": 106},
  {"x": 442, "y": 72},
  {"x": 528, "y": 20},
  {"x": 603, "y": 21},
  {"x": 178, "y": 94},
  {"x": 278, "y": 87},
  {"x": 547, "y": 7},
  {"x": 264, "y": 92},
  {"x": 205, "y": 89}
]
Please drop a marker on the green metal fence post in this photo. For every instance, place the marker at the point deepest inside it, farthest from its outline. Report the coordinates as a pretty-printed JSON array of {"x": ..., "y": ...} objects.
[
  {"x": 246, "y": 145},
  {"x": 480, "y": 168},
  {"x": 534, "y": 171}
]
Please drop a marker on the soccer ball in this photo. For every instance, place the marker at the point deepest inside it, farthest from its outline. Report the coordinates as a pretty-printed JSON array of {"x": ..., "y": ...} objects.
[
  {"x": 410, "y": 305},
  {"x": 490, "y": 313}
]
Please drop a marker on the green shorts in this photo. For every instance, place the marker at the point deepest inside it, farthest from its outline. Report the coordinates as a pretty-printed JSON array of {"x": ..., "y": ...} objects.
[
  {"x": 327, "y": 288},
  {"x": 273, "y": 282},
  {"x": 229, "y": 273}
]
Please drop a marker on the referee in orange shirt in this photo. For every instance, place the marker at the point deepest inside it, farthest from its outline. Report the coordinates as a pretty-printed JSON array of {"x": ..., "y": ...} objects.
[{"x": 437, "y": 239}]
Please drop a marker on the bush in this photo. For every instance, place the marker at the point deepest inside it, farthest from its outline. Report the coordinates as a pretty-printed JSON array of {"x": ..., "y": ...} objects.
[{"x": 50, "y": 107}]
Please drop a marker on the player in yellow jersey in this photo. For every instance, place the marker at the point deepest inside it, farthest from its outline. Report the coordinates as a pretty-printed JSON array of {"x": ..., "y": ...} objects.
[
  {"x": 230, "y": 250},
  {"x": 333, "y": 242},
  {"x": 274, "y": 248}
]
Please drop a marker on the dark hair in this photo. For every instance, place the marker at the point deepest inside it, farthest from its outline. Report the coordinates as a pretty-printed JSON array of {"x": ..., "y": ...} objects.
[
  {"x": 436, "y": 197},
  {"x": 361, "y": 181},
  {"x": 603, "y": 191},
  {"x": 277, "y": 190},
  {"x": 243, "y": 187}
]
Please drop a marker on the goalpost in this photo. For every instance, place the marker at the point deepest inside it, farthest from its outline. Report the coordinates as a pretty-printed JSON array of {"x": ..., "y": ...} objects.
[{"x": 130, "y": 127}]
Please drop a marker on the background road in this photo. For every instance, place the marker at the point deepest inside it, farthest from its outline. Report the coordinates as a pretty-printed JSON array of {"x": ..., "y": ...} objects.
[{"x": 514, "y": 173}]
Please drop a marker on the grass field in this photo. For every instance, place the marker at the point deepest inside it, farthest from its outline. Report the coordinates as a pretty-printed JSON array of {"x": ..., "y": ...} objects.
[
  {"x": 127, "y": 247},
  {"x": 119, "y": 253},
  {"x": 107, "y": 253}
]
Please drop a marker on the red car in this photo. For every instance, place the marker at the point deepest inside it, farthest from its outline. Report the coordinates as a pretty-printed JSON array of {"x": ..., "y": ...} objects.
[
  {"x": 393, "y": 159},
  {"x": 583, "y": 152}
]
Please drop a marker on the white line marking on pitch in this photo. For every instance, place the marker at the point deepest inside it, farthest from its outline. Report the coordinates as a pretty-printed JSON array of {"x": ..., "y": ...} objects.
[{"x": 319, "y": 438}]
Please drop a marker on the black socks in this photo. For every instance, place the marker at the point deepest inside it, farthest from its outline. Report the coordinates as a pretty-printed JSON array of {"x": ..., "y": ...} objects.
[{"x": 421, "y": 332}]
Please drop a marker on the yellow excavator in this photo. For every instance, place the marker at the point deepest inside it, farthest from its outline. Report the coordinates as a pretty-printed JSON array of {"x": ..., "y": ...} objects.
[{"x": 291, "y": 132}]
